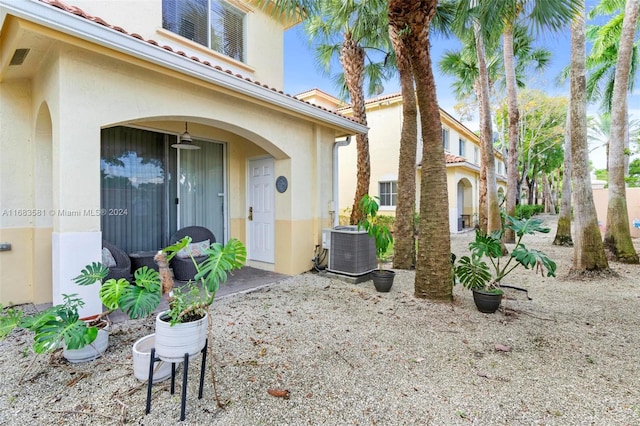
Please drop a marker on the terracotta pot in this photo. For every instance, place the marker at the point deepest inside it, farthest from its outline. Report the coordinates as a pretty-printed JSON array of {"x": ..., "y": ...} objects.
[{"x": 173, "y": 342}]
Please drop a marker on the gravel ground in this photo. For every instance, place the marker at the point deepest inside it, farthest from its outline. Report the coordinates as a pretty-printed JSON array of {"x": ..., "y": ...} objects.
[{"x": 349, "y": 355}]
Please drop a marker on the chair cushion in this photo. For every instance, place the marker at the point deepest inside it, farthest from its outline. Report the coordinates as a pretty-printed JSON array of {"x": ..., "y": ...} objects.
[
  {"x": 107, "y": 258},
  {"x": 194, "y": 249}
]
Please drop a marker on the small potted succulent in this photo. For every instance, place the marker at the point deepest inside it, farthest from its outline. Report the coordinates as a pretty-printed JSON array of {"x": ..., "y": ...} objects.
[
  {"x": 486, "y": 267},
  {"x": 380, "y": 232}
]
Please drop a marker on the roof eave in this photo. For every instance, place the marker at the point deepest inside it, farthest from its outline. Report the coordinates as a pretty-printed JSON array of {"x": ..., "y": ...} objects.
[{"x": 67, "y": 23}]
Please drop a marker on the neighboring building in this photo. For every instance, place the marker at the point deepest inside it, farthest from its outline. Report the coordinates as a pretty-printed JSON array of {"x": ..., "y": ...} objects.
[
  {"x": 94, "y": 96},
  {"x": 384, "y": 118}
]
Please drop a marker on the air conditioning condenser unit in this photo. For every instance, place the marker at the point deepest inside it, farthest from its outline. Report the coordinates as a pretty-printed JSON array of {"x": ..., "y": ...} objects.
[{"x": 351, "y": 251}]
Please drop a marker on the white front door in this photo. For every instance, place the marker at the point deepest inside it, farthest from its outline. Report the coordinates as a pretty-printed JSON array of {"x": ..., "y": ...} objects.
[{"x": 260, "y": 210}]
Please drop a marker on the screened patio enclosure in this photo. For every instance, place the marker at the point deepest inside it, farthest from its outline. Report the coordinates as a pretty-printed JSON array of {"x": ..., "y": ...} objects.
[{"x": 149, "y": 189}]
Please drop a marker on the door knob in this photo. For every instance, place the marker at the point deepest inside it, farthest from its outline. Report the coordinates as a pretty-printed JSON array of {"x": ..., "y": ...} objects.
[{"x": 251, "y": 213}]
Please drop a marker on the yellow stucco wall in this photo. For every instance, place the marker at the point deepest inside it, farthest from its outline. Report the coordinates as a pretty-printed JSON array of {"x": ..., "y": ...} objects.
[
  {"x": 264, "y": 36},
  {"x": 50, "y": 159}
]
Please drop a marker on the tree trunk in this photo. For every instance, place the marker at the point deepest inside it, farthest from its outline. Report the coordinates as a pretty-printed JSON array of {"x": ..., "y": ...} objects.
[
  {"x": 514, "y": 118},
  {"x": 549, "y": 207},
  {"x": 404, "y": 249},
  {"x": 352, "y": 59},
  {"x": 489, "y": 218},
  {"x": 563, "y": 233},
  {"x": 617, "y": 238},
  {"x": 588, "y": 251},
  {"x": 433, "y": 281}
]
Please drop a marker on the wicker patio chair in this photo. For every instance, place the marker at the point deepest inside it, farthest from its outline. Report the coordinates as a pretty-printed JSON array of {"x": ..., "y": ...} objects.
[
  {"x": 123, "y": 263},
  {"x": 183, "y": 268}
]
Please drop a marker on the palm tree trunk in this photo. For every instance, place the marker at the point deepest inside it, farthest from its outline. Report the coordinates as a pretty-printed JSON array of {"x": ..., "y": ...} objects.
[
  {"x": 404, "y": 249},
  {"x": 588, "y": 250},
  {"x": 618, "y": 236},
  {"x": 411, "y": 19},
  {"x": 514, "y": 118},
  {"x": 489, "y": 218},
  {"x": 563, "y": 233},
  {"x": 352, "y": 59}
]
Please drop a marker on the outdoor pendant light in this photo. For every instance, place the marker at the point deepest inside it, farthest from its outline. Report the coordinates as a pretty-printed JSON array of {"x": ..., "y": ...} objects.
[{"x": 185, "y": 140}]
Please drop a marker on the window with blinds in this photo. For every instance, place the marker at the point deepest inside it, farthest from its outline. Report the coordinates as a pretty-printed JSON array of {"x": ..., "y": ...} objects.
[
  {"x": 212, "y": 23},
  {"x": 445, "y": 138}
]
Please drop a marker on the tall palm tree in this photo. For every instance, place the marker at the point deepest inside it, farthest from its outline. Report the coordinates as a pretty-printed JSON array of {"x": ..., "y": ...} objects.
[
  {"x": 551, "y": 15},
  {"x": 563, "y": 231},
  {"x": 410, "y": 22},
  {"x": 462, "y": 65},
  {"x": 404, "y": 249},
  {"x": 404, "y": 246},
  {"x": 588, "y": 250},
  {"x": 468, "y": 27},
  {"x": 350, "y": 30},
  {"x": 618, "y": 236}
]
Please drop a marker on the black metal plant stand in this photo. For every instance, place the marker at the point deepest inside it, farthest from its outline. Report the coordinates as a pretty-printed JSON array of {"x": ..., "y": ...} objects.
[{"x": 185, "y": 373}]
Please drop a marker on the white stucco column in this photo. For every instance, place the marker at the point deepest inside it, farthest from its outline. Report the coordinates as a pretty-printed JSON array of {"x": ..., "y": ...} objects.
[{"x": 76, "y": 239}]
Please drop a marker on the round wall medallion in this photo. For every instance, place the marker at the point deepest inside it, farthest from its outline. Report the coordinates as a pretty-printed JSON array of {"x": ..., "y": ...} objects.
[{"x": 281, "y": 184}]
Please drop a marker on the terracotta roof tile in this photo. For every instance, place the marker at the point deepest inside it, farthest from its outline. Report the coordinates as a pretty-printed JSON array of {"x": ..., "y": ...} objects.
[
  {"x": 96, "y": 19},
  {"x": 450, "y": 158}
]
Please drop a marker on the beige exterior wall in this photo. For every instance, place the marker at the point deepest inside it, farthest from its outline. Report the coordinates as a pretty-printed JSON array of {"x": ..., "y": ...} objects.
[
  {"x": 50, "y": 154},
  {"x": 263, "y": 37},
  {"x": 601, "y": 200},
  {"x": 384, "y": 117}
]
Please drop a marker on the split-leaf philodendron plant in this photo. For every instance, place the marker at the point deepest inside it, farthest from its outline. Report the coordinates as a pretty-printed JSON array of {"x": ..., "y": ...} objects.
[{"x": 473, "y": 272}]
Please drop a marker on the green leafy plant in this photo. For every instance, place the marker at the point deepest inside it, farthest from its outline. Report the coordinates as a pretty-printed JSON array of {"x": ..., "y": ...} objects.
[
  {"x": 376, "y": 226},
  {"x": 137, "y": 299},
  {"x": 221, "y": 259},
  {"x": 486, "y": 267},
  {"x": 53, "y": 326}
]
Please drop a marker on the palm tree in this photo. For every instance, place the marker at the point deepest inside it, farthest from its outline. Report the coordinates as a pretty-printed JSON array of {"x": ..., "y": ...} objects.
[
  {"x": 409, "y": 22},
  {"x": 349, "y": 30},
  {"x": 603, "y": 57},
  {"x": 618, "y": 235},
  {"x": 588, "y": 248},
  {"x": 404, "y": 249},
  {"x": 551, "y": 15},
  {"x": 470, "y": 25},
  {"x": 563, "y": 231},
  {"x": 463, "y": 65}
]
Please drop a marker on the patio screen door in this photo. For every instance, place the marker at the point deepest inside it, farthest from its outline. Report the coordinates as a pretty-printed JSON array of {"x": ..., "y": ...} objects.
[
  {"x": 136, "y": 169},
  {"x": 201, "y": 187}
]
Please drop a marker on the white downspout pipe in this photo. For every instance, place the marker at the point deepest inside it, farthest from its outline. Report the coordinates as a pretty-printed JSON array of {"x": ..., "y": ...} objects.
[{"x": 336, "y": 188}]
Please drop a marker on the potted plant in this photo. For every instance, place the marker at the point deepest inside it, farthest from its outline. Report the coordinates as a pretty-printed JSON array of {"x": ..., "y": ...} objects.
[
  {"x": 485, "y": 279},
  {"x": 380, "y": 232},
  {"x": 83, "y": 339},
  {"x": 183, "y": 327}
]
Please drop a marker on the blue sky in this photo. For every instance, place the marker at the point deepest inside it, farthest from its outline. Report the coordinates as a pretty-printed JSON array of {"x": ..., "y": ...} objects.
[{"x": 301, "y": 73}]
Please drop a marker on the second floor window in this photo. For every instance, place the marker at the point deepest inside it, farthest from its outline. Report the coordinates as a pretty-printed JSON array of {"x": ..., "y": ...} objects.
[
  {"x": 445, "y": 138},
  {"x": 462, "y": 148},
  {"x": 211, "y": 23},
  {"x": 388, "y": 193},
  {"x": 476, "y": 156}
]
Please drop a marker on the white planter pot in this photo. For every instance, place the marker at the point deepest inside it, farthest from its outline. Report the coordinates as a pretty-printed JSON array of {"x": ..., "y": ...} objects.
[
  {"x": 142, "y": 357},
  {"x": 91, "y": 351},
  {"x": 172, "y": 342}
]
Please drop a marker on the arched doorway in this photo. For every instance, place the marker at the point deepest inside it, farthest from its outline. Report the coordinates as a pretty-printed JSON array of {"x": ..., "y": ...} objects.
[{"x": 464, "y": 204}]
